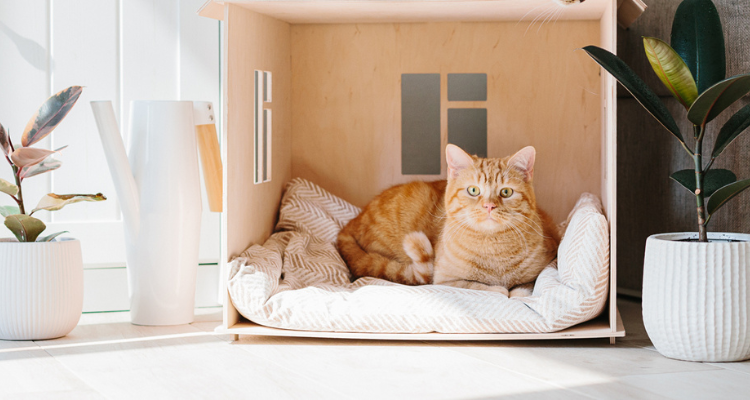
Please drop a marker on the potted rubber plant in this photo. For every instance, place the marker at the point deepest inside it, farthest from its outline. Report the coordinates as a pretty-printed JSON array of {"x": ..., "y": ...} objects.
[
  {"x": 696, "y": 286},
  {"x": 41, "y": 284}
]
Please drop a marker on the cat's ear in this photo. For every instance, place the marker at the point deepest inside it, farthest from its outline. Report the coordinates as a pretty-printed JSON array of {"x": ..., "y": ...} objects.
[
  {"x": 523, "y": 160},
  {"x": 457, "y": 160}
]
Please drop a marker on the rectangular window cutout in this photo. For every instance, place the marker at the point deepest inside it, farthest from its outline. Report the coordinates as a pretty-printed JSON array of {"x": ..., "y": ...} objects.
[
  {"x": 420, "y": 124},
  {"x": 467, "y": 87},
  {"x": 262, "y": 127},
  {"x": 467, "y": 129}
]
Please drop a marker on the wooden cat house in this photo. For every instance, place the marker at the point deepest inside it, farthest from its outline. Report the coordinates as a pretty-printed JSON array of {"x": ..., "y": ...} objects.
[{"x": 357, "y": 96}]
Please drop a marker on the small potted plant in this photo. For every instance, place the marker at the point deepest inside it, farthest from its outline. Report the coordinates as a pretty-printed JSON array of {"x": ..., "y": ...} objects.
[
  {"x": 696, "y": 286},
  {"x": 41, "y": 277}
]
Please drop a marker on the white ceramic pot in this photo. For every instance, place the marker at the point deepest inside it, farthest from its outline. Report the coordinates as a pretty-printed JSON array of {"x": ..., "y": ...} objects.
[
  {"x": 696, "y": 296},
  {"x": 41, "y": 289}
]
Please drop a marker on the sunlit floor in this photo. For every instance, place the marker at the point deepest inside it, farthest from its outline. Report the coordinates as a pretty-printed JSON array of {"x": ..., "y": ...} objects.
[{"x": 107, "y": 357}]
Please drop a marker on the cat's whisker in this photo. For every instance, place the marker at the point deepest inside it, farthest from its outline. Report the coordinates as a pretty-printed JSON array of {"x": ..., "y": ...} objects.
[
  {"x": 544, "y": 11},
  {"x": 536, "y": 230},
  {"x": 527, "y": 13},
  {"x": 548, "y": 18}
]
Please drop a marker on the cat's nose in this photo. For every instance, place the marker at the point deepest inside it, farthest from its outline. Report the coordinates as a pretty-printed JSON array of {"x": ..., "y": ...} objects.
[{"x": 489, "y": 206}]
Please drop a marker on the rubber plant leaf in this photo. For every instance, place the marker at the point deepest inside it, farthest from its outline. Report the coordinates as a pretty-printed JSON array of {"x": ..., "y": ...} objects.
[
  {"x": 54, "y": 202},
  {"x": 671, "y": 70},
  {"x": 24, "y": 156},
  {"x": 7, "y": 187},
  {"x": 47, "y": 164},
  {"x": 51, "y": 237},
  {"x": 731, "y": 129},
  {"x": 24, "y": 227},
  {"x": 713, "y": 180},
  {"x": 717, "y": 98},
  {"x": 50, "y": 114},
  {"x": 4, "y": 140},
  {"x": 635, "y": 85},
  {"x": 723, "y": 195},
  {"x": 697, "y": 36},
  {"x": 9, "y": 210}
]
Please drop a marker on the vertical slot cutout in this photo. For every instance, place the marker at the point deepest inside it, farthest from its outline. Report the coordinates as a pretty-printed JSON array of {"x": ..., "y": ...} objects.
[{"x": 262, "y": 130}]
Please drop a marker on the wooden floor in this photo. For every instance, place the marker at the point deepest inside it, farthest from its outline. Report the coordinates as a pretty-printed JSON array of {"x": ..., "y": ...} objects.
[{"x": 107, "y": 357}]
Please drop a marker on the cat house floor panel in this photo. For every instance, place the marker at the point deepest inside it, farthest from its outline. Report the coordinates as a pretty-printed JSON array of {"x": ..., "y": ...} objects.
[
  {"x": 297, "y": 280},
  {"x": 597, "y": 328}
]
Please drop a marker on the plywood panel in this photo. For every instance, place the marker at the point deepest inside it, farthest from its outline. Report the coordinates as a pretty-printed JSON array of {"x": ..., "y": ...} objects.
[
  {"x": 254, "y": 41},
  {"x": 541, "y": 92},
  {"x": 374, "y": 11}
]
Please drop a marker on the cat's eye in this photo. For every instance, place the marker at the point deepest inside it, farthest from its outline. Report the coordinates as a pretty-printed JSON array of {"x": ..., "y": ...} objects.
[
  {"x": 473, "y": 190},
  {"x": 506, "y": 192}
]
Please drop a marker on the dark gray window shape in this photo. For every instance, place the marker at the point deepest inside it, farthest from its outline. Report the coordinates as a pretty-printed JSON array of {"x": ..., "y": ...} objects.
[
  {"x": 467, "y": 129},
  {"x": 467, "y": 87},
  {"x": 420, "y": 124}
]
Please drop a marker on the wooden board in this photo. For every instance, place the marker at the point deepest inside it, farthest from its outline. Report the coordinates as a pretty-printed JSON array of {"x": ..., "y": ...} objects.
[
  {"x": 346, "y": 120},
  {"x": 597, "y": 328},
  {"x": 254, "y": 41},
  {"x": 324, "y": 11}
]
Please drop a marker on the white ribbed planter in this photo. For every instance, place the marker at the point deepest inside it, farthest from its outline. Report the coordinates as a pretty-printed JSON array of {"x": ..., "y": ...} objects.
[
  {"x": 41, "y": 289},
  {"x": 696, "y": 296}
]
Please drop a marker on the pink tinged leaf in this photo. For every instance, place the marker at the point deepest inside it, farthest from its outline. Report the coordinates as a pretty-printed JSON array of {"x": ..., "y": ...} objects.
[
  {"x": 53, "y": 202},
  {"x": 47, "y": 164},
  {"x": 4, "y": 140},
  {"x": 24, "y": 156},
  {"x": 50, "y": 114}
]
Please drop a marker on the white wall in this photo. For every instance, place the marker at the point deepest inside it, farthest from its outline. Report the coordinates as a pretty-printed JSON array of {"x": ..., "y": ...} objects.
[{"x": 120, "y": 50}]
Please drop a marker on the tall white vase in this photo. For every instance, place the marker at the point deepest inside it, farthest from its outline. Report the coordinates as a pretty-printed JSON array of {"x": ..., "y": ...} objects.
[
  {"x": 162, "y": 256},
  {"x": 158, "y": 185}
]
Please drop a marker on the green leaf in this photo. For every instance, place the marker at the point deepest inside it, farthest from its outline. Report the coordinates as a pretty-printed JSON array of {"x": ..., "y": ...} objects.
[
  {"x": 4, "y": 140},
  {"x": 9, "y": 210},
  {"x": 672, "y": 71},
  {"x": 698, "y": 38},
  {"x": 24, "y": 227},
  {"x": 50, "y": 114},
  {"x": 723, "y": 195},
  {"x": 635, "y": 85},
  {"x": 717, "y": 98},
  {"x": 7, "y": 187},
  {"x": 47, "y": 164},
  {"x": 733, "y": 128},
  {"x": 53, "y": 202},
  {"x": 51, "y": 237},
  {"x": 713, "y": 180}
]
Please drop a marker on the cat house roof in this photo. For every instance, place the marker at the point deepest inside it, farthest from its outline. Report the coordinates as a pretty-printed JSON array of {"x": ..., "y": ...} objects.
[{"x": 374, "y": 11}]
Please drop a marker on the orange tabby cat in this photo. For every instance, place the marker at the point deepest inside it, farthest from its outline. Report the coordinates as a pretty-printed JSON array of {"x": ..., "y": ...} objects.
[{"x": 483, "y": 224}]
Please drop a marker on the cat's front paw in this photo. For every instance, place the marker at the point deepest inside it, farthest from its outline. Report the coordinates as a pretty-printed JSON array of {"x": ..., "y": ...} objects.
[
  {"x": 422, "y": 273},
  {"x": 498, "y": 289}
]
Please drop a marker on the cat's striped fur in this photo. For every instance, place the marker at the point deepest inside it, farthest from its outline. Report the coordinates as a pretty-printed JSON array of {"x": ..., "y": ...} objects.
[{"x": 439, "y": 232}]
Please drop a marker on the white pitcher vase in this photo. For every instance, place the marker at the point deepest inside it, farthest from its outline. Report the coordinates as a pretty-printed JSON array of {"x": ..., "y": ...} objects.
[{"x": 158, "y": 186}]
